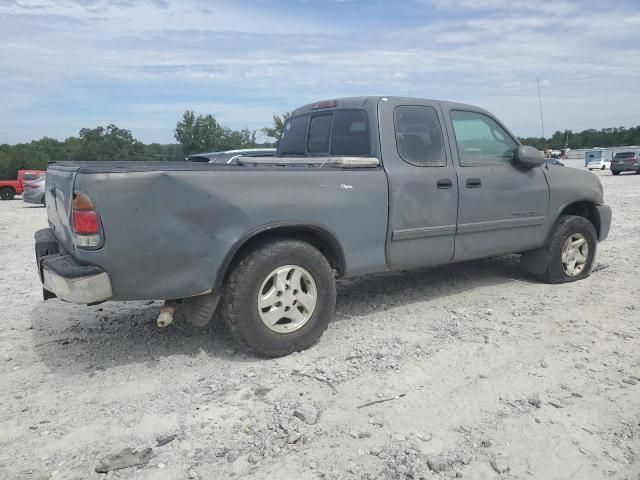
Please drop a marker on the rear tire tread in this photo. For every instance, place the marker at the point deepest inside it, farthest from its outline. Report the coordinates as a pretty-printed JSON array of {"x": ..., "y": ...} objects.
[{"x": 239, "y": 284}]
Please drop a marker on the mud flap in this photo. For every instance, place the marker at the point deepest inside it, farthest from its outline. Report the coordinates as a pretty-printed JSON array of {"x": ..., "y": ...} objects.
[
  {"x": 535, "y": 261},
  {"x": 199, "y": 310}
]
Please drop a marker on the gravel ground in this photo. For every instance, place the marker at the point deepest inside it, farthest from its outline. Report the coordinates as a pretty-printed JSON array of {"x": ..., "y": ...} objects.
[{"x": 484, "y": 374}]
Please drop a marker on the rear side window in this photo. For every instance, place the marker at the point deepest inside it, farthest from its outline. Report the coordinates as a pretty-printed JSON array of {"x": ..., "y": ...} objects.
[
  {"x": 419, "y": 136},
  {"x": 481, "y": 141},
  {"x": 350, "y": 134},
  {"x": 338, "y": 133}
]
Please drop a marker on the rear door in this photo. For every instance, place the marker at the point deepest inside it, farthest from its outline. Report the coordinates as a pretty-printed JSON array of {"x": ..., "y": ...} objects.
[
  {"x": 502, "y": 205},
  {"x": 423, "y": 190}
]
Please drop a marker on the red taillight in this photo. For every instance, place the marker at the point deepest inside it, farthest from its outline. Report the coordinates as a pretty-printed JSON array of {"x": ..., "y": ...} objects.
[
  {"x": 85, "y": 222},
  {"x": 324, "y": 104}
]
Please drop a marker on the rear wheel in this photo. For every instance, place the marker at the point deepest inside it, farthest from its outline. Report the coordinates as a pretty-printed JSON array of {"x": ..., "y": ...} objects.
[
  {"x": 615, "y": 172},
  {"x": 602, "y": 168},
  {"x": 280, "y": 298},
  {"x": 569, "y": 254},
  {"x": 7, "y": 193}
]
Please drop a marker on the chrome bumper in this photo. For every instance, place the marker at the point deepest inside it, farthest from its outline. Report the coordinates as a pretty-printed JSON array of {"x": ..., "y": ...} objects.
[
  {"x": 83, "y": 290},
  {"x": 64, "y": 277}
]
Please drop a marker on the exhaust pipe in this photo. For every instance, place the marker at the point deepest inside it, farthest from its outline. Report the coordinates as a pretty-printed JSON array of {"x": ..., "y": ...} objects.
[{"x": 166, "y": 313}]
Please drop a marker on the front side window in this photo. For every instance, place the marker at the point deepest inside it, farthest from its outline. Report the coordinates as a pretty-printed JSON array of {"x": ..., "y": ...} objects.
[
  {"x": 481, "y": 141},
  {"x": 419, "y": 136}
]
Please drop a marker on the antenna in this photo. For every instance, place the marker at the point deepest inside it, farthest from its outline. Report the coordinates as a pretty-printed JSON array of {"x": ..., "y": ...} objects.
[{"x": 540, "y": 103}]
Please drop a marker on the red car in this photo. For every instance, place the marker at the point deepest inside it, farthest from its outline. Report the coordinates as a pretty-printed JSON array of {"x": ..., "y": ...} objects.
[{"x": 11, "y": 188}]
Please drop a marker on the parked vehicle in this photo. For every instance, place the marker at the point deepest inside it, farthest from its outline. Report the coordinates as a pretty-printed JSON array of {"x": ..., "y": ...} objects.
[
  {"x": 626, "y": 162},
  {"x": 11, "y": 188},
  {"x": 554, "y": 161},
  {"x": 34, "y": 191},
  {"x": 359, "y": 185},
  {"x": 598, "y": 159},
  {"x": 230, "y": 156}
]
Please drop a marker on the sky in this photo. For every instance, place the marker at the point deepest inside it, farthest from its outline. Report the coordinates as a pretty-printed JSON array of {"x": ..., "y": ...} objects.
[{"x": 69, "y": 64}]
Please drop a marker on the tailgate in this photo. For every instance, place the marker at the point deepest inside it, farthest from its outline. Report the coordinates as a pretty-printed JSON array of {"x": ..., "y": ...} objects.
[{"x": 59, "y": 195}]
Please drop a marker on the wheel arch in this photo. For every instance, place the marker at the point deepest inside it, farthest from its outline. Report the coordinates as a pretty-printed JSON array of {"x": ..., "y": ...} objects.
[
  {"x": 581, "y": 208},
  {"x": 317, "y": 235}
]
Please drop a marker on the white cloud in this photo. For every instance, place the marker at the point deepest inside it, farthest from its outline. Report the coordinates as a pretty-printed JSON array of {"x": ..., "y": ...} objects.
[{"x": 141, "y": 63}]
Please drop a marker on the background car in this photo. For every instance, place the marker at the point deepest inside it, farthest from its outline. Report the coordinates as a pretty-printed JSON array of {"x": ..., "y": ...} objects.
[
  {"x": 554, "y": 161},
  {"x": 11, "y": 188},
  {"x": 230, "y": 155},
  {"x": 34, "y": 191},
  {"x": 626, "y": 162},
  {"x": 599, "y": 164}
]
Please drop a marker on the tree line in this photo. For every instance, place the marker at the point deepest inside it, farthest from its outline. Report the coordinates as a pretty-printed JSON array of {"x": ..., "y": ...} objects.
[
  {"x": 203, "y": 133},
  {"x": 194, "y": 133},
  {"x": 606, "y": 137}
]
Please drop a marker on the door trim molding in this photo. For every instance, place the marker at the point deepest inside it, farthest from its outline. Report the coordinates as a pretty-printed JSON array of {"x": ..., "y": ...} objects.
[
  {"x": 500, "y": 224},
  {"x": 423, "y": 232}
]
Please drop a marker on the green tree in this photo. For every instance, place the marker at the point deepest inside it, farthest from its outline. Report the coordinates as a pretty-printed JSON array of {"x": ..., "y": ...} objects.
[
  {"x": 206, "y": 134},
  {"x": 107, "y": 144},
  {"x": 278, "y": 125}
]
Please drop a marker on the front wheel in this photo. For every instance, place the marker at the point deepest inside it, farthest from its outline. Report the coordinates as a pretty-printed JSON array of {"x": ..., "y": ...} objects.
[
  {"x": 7, "y": 193},
  {"x": 280, "y": 298},
  {"x": 569, "y": 253}
]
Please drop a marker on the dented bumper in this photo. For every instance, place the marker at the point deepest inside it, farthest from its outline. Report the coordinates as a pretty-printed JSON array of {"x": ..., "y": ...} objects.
[{"x": 64, "y": 277}]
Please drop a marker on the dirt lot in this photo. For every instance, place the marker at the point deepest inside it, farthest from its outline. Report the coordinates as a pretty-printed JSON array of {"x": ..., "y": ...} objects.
[{"x": 485, "y": 370}]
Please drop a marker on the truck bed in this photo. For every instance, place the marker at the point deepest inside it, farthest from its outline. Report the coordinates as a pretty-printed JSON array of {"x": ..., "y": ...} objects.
[{"x": 187, "y": 220}]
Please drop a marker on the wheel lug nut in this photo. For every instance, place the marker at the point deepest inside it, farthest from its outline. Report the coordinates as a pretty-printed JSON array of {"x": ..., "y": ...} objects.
[
  {"x": 278, "y": 304},
  {"x": 295, "y": 292},
  {"x": 278, "y": 293},
  {"x": 286, "y": 309}
]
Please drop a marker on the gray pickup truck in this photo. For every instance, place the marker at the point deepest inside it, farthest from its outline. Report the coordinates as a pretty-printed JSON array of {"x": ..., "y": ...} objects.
[{"x": 359, "y": 185}]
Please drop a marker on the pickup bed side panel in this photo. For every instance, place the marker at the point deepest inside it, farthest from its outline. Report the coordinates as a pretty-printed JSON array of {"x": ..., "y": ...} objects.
[{"x": 167, "y": 232}]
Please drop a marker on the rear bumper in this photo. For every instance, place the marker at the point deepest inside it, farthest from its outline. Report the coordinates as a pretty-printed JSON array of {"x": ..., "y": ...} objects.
[
  {"x": 64, "y": 277},
  {"x": 604, "y": 217},
  {"x": 625, "y": 168}
]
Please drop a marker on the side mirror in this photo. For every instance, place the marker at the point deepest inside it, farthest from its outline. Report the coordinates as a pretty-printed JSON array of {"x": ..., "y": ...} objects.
[{"x": 529, "y": 157}]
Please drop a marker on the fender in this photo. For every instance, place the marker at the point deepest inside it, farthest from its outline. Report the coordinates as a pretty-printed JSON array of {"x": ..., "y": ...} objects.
[
  {"x": 285, "y": 226},
  {"x": 579, "y": 199}
]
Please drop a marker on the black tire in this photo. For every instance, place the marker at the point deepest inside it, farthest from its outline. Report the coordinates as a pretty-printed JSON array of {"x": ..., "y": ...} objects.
[
  {"x": 7, "y": 193},
  {"x": 240, "y": 298},
  {"x": 44, "y": 201},
  {"x": 615, "y": 172},
  {"x": 546, "y": 262},
  {"x": 602, "y": 168}
]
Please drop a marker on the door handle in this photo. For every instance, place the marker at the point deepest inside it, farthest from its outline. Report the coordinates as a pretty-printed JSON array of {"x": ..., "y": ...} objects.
[
  {"x": 473, "y": 183},
  {"x": 444, "y": 183}
]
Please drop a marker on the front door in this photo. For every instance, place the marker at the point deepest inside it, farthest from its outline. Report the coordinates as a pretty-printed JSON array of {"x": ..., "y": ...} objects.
[
  {"x": 502, "y": 205},
  {"x": 423, "y": 189}
]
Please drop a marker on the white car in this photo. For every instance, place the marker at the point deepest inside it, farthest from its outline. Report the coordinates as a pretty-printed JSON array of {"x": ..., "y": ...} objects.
[{"x": 600, "y": 164}]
